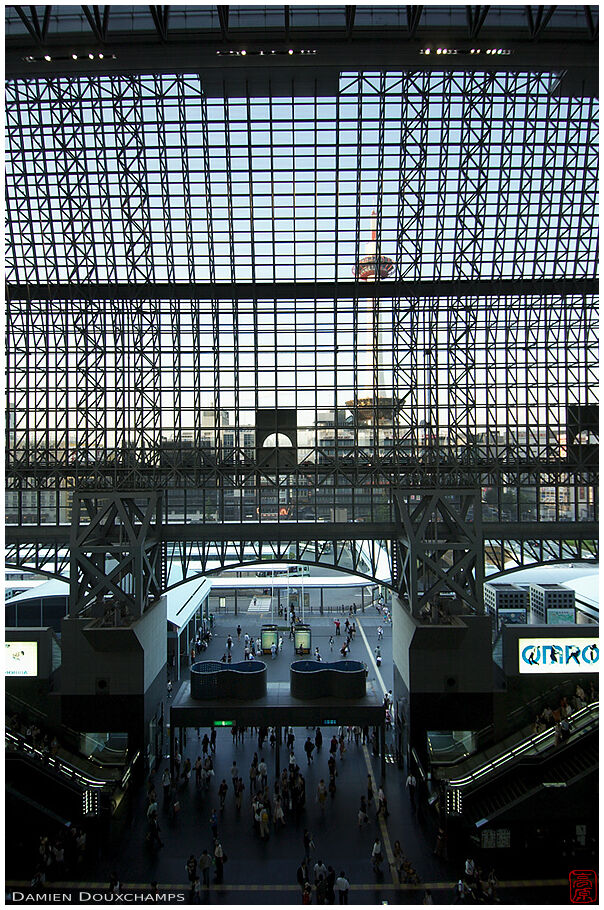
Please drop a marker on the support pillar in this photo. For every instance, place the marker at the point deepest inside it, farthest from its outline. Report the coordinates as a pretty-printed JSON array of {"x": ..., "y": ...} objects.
[{"x": 383, "y": 751}]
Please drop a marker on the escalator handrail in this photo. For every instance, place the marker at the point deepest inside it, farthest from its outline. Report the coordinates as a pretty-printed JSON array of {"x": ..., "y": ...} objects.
[
  {"x": 524, "y": 746},
  {"x": 53, "y": 762}
]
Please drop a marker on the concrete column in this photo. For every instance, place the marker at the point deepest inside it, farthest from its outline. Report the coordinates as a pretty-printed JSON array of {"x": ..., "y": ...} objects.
[{"x": 321, "y": 604}]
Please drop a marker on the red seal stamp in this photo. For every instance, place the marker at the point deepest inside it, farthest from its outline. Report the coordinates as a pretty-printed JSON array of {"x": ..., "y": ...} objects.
[{"x": 583, "y": 886}]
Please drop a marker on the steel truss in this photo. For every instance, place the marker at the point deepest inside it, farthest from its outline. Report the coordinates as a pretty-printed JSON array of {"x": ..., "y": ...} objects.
[
  {"x": 116, "y": 566},
  {"x": 439, "y": 548},
  {"x": 179, "y": 258}
]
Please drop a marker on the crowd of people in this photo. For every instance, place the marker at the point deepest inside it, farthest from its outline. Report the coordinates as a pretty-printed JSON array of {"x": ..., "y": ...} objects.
[
  {"x": 557, "y": 713},
  {"x": 59, "y": 856},
  {"x": 473, "y": 887}
]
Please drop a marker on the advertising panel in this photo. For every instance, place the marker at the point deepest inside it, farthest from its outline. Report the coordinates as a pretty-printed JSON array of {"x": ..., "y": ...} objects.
[
  {"x": 21, "y": 658},
  {"x": 558, "y": 655},
  {"x": 561, "y": 616}
]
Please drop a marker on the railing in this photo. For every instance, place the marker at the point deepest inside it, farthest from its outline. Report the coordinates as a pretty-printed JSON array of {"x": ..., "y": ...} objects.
[{"x": 582, "y": 720}]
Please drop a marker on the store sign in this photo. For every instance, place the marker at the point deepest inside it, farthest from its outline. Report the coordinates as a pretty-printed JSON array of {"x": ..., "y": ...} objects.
[
  {"x": 558, "y": 655},
  {"x": 224, "y": 723},
  {"x": 21, "y": 658}
]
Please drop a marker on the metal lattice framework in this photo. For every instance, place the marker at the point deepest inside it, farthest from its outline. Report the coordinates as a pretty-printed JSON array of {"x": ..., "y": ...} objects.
[{"x": 180, "y": 257}]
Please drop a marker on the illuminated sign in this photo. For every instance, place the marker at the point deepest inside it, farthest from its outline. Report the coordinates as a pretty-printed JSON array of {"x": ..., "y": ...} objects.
[
  {"x": 558, "y": 655},
  {"x": 21, "y": 658},
  {"x": 224, "y": 723}
]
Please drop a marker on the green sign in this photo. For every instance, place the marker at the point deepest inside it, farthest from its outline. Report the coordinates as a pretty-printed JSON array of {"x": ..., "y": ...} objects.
[{"x": 224, "y": 723}]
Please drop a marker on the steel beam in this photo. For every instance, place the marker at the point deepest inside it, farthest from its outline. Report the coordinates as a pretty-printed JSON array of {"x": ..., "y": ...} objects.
[
  {"x": 173, "y": 532},
  {"x": 303, "y": 290}
]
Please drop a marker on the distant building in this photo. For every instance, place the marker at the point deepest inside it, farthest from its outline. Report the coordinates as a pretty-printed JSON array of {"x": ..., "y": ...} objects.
[
  {"x": 508, "y": 603},
  {"x": 552, "y": 604}
]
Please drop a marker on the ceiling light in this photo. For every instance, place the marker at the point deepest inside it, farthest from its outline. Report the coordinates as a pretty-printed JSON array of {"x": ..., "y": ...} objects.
[
  {"x": 427, "y": 51},
  {"x": 74, "y": 56},
  {"x": 290, "y": 51},
  {"x": 47, "y": 57},
  {"x": 101, "y": 56},
  {"x": 91, "y": 56},
  {"x": 439, "y": 50},
  {"x": 243, "y": 53}
]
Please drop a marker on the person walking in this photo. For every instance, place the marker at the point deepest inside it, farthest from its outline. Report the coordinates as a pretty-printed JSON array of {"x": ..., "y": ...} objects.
[
  {"x": 290, "y": 740},
  {"x": 191, "y": 870},
  {"x": 197, "y": 768},
  {"x": 166, "y": 783},
  {"x": 363, "y": 817},
  {"x": 369, "y": 790},
  {"x": 205, "y": 863},
  {"x": 238, "y": 632},
  {"x": 322, "y": 795},
  {"x": 318, "y": 738},
  {"x": 330, "y": 881},
  {"x": 169, "y": 688},
  {"x": 186, "y": 770},
  {"x": 302, "y": 874},
  {"x": 219, "y": 859},
  {"x": 262, "y": 774},
  {"x": 321, "y": 889},
  {"x": 411, "y": 784},
  {"x": 205, "y": 743},
  {"x": 213, "y": 740},
  {"x": 264, "y": 822},
  {"x": 342, "y": 886},
  {"x": 273, "y": 651},
  {"x": 376, "y": 855},
  {"x": 308, "y": 748},
  {"x": 308, "y": 843},
  {"x": 223, "y": 789},
  {"x": 234, "y": 775}
]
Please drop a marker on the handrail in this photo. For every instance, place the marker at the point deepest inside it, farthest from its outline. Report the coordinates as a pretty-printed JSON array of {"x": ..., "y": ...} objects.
[
  {"x": 60, "y": 765},
  {"x": 522, "y": 748}
]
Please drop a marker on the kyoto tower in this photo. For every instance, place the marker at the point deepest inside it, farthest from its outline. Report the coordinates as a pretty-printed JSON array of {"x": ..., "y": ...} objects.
[{"x": 374, "y": 405}]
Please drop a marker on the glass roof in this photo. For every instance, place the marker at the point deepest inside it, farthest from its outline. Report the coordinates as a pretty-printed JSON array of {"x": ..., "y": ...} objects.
[{"x": 130, "y": 178}]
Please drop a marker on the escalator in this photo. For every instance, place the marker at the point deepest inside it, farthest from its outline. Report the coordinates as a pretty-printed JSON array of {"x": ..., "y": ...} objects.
[{"x": 504, "y": 793}]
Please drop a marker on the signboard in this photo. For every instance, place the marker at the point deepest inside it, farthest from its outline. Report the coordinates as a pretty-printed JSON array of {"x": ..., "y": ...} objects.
[
  {"x": 491, "y": 839},
  {"x": 21, "y": 658},
  {"x": 302, "y": 641},
  {"x": 560, "y": 616},
  {"x": 224, "y": 723},
  {"x": 508, "y": 616},
  {"x": 558, "y": 655}
]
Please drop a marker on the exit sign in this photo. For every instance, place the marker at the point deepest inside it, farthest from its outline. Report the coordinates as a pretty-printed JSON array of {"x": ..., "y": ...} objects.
[
  {"x": 224, "y": 723},
  {"x": 328, "y": 723}
]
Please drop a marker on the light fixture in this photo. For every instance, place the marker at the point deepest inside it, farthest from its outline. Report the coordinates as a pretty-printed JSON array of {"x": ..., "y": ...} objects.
[
  {"x": 74, "y": 56},
  {"x": 101, "y": 56},
  {"x": 290, "y": 51},
  {"x": 243, "y": 53},
  {"x": 427, "y": 51},
  {"x": 439, "y": 50},
  {"x": 91, "y": 56},
  {"x": 47, "y": 57}
]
